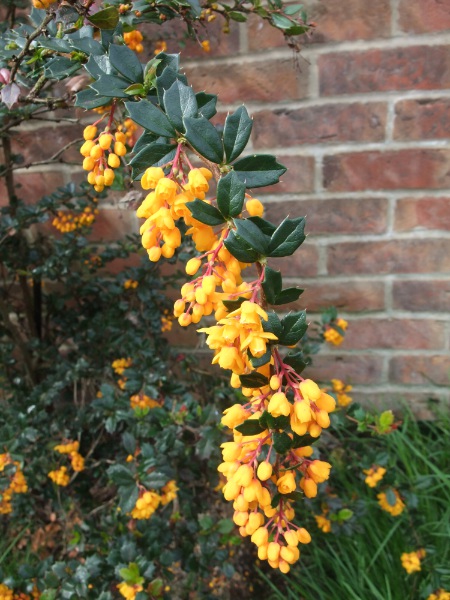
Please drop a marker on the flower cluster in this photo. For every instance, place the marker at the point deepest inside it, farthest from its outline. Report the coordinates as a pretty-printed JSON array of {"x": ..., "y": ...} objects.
[
  {"x": 61, "y": 476},
  {"x": 133, "y": 39},
  {"x": 129, "y": 591},
  {"x": 130, "y": 284},
  {"x": 411, "y": 560},
  {"x": 120, "y": 364},
  {"x": 439, "y": 594},
  {"x": 16, "y": 483},
  {"x": 102, "y": 154},
  {"x": 149, "y": 501},
  {"x": 374, "y": 475},
  {"x": 6, "y": 593},
  {"x": 143, "y": 401},
  {"x": 334, "y": 332},
  {"x": 391, "y": 502},
  {"x": 67, "y": 221},
  {"x": 43, "y": 4},
  {"x": 341, "y": 390}
]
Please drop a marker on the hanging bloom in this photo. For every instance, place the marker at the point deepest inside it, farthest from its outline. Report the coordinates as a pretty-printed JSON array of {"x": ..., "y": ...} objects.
[{"x": 411, "y": 561}]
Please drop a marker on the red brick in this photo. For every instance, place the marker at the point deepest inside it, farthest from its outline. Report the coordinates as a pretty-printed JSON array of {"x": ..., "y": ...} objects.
[
  {"x": 113, "y": 224},
  {"x": 41, "y": 144},
  {"x": 335, "y": 21},
  {"x": 391, "y": 170},
  {"x": 299, "y": 177},
  {"x": 31, "y": 186},
  {"x": 422, "y": 16},
  {"x": 420, "y": 369},
  {"x": 185, "y": 337},
  {"x": 394, "y": 256},
  {"x": 337, "y": 215},
  {"x": 425, "y": 295},
  {"x": 302, "y": 264},
  {"x": 348, "y": 296},
  {"x": 422, "y": 119},
  {"x": 265, "y": 81},
  {"x": 414, "y": 68},
  {"x": 422, "y": 213},
  {"x": 120, "y": 264},
  {"x": 351, "y": 368},
  {"x": 354, "y": 122},
  {"x": 410, "y": 334}
]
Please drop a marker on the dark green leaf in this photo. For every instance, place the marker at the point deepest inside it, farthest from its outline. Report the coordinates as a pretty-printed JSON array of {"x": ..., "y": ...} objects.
[
  {"x": 240, "y": 249},
  {"x": 237, "y": 16},
  {"x": 230, "y": 195},
  {"x": 206, "y": 104},
  {"x": 120, "y": 475},
  {"x": 236, "y": 133},
  {"x": 205, "y": 213},
  {"x": 126, "y": 62},
  {"x": 288, "y": 236},
  {"x": 150, "y": 117},
  {"x": 259, "y": 170},
  {"x": 288, "y": 295},
  {"x": 270, "y": 422},
  {"x": 266, "y": 226},
  {"x": 232, "y": 305},
  {"x": 273, "y": 324},
  {"x": 61, "y": 67},
  {"x": 144, "y": 140},
  {"x": 166, "y": 79},
  {"x": 262, "y": 360},
  {"x": 204, "y": 137},
  {"x": 250, "y": 427},
  {"x": 106, "y": 18},
  {"x": 179, "y": 103},
  {"x": 275, "y": 500},
  {"x": 281, "y": 442},
  {"x": 300, "y": 441},
  {"x": 297, "y": 361},
  {"x": 129, "y": 442},
  {"x": 128, "y": 494},
  {"x": 254, "y": 380},
  {"x": 248, "y": 231},
  {"x": 87, "y": 45},
  {"x": 272, "y": 284},
  {"x": 89, "y": 99},
  {"x": 110, "y": 85},
  {"x": 294, "y": 328},
  {"x": 150, "y": 156}
]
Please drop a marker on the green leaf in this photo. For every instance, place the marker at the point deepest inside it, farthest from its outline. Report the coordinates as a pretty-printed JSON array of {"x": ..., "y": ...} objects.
[
  {"x": 89, "y": 99},
  {"x": 266, "y": 226},
  {"x": 120, "y": 475},
  {"x": 272, "y": 284},
  {"x": 131, "y": 574},
  {"x": 233, "y": 304},
  {"x": 240, "y": 249},
  {"x": 297, "y": 361},
  {"x": 110, "y": 85},
  {"x": 150, "y": 117},
  {"x": 230, "y": 195},
  {"x": 236, "y": 133},
  {"x": 152, "y": 155},
  {"x": 135, "y": 89},
  {"x": 204, "y": 137},
  {"x": 294, "y": 328},
  {"x": 206, "y": 104},
  {"x": 345, "y": 514},
  {"x": 288, "y": 236},
  {"x": 205, "y": 213},
  {"x": 281, "y": 22},
  {"x": 129, "y": 442},
  {"x": 275, "y": 500},
  {"x": 250, "y": 427},
  {"x": 281, "y": 442},
  {"x": 259, "y": 170},
  {"x": 292, "y": 9},
  {"x": 61, "y": 67},
  {"x": 262, "y": 360},
  {"x": 300, "y": 441},
  {"x": 248, "y": 231},
  {"x": 270, "y": 422},
  {"x": 126, "y": 62},
  {"x": 225, "y": 526},
  {"x": 273, "y": 324},
  {"x": 166, "y": 79},
  {"x": 288, "y": 295},
  {"x": 108, "y": 18},
  {"x": 237, "y": 16},
  {"x": 144, "y": 141},
  {"x": 179, "y": 103},
  {"x": 254, "y": 380},
  {"x": 128, "y": 494},
  {"x": 391, "y": 498}
]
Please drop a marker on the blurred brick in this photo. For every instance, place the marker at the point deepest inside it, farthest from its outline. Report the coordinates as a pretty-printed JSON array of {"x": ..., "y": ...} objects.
[
  {"x": 335, "y": 216},
  {"x": 423, "y": 16},
  {"x": 348, "y": 296},
  {"x": 184, "y": 337},
  {"x": 41, "y": 144},
  {"x": 31, "y": 186},
  {"x": 422, "y": 295},
  {"x": 422, "y": 213},
  {"x": 420, "y": 370},
  {"x": 395, "y": 256},
  {"x": 406, "y": 334},
  {"x": 391, "y": 170},
  {"x": 359, "y": 72},
  {"x": 422, "y": 119},
  {"x": 302, "y": 264},
  {"x": 265, "y": 81},
  {"x": 351, "y": 368},
  {"x": 353, "y": 122},
  {"x": 113, "y": 224},
  {"x": 299, "y": 177}
]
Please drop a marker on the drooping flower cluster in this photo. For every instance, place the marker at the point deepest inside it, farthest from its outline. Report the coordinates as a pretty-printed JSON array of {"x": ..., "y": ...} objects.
[
  {"x": 149, "y": 500},
  {"x": 439, "y": 594},
  {"x": 129, "y": 591},
  {"x": 133, "y": 39},
  {"x": 68, "y": 221},
  {"x": 102, "y": 154},
  {"x": 143, "y": 401},
  {"x": 334, "y": 332},
  {"x": 374, "y": 475},
  {"x": 391, "y": 502},
  {"x": 12, "y": 481},
  {"x": 341, "y": 390}
]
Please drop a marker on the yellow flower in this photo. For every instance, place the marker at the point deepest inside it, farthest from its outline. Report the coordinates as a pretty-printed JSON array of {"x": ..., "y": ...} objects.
[
  {"x": 374, "y": 475},
  {"x": 279, "y": 405},
  {"x": 439, "y": 594},
  {"x": 411, "y": 561},
  {"x": 286, "y": 484},
  {"x": 394, "y": 509},
  {"x": 323, "y": 523}
]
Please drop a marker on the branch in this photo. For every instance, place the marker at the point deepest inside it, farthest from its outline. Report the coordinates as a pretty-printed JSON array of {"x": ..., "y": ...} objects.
[{"x": 36, "y": 33}]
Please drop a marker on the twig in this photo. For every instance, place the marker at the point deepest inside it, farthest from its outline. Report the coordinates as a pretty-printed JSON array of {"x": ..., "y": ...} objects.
[
  {"x": 51, "y": 159},
  {"x": 36, "y": 33}
]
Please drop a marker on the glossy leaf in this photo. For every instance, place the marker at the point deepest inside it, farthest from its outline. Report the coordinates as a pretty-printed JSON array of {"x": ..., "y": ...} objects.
[
  {"x": 230, "y": 195},
  {"x": 150, "y": 117},
  {"x": 107, "y": 18},
  {"x": 204, "y": 137},
  {"x": 251, "y": 233},
  {"x": 206, "y": 104},
  {"x": 250, "y": 427},
  {"x": 288, "y": 236},
  {"x": 126, "y": 63},
  {"x": 294, "y": 328},
  {"x": 205, "y": 213},
  {"x": 179, "y": 103},
  {"x": 259, "y": 170},
  {"x": 236, "y": 133}
]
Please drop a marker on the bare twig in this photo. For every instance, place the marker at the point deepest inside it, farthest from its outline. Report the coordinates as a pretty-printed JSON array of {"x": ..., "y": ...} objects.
[{"x": 36, "y": 33}]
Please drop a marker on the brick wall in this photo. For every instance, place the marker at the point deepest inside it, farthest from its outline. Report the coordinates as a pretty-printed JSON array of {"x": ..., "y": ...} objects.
[{"x": 362, "y": 120}]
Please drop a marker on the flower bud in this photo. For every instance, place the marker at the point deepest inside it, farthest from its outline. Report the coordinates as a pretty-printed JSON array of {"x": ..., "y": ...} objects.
[
  {"x": 303, "y": 536},
  {"x": 90, "y": 132},
  {"x": 193, "y": 265},
  {"x": 264, "y": 471}
]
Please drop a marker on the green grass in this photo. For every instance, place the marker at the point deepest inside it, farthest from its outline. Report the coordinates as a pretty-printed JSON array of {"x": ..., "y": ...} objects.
[{"x": 360, "y": 560}]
